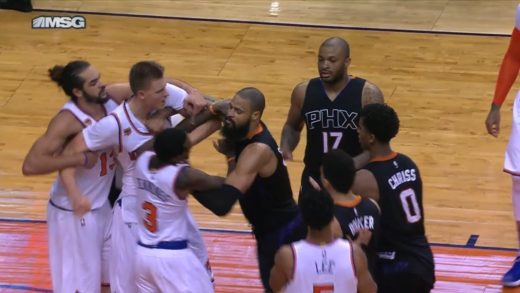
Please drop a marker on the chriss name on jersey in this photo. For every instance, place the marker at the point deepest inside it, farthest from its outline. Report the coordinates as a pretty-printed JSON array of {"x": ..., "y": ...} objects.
[{"x": 402, "y": 177}]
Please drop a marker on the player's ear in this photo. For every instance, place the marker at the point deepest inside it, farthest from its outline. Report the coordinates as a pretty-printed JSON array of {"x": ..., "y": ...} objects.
[
  {"x": 77, "y": 92},
  {"x": 256, "y": 115},
  {"x": 140, "y": 94}
]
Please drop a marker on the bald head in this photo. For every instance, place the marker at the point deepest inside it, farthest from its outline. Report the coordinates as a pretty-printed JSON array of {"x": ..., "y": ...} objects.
[
  {"x": 255, "y": 98},
  {"x": 337, "y": 42}
]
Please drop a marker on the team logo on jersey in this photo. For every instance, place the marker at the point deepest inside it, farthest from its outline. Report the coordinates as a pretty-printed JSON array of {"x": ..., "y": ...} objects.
[
  {"x": 87, "y": 121},
  {"x": 127, "y": 131}
]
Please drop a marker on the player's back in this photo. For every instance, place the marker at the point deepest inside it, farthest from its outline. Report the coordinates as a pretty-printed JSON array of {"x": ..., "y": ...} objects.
[
  {"x": 360, "y": 214},
  {"x": 161, "y": 213},
  {"x": 323, "y": 268},
  {"x": 402, "y": 214}
]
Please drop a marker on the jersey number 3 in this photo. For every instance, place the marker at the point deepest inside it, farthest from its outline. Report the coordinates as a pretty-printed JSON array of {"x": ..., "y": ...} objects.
[
  {"x": 336, "y": 136},
  {"x": 150, "y": 220},
  {"x": 410, "y": 205}
]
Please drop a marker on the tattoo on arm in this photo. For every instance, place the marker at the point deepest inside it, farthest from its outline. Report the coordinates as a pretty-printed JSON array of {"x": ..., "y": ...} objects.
[{"x": 372, "y": 94}]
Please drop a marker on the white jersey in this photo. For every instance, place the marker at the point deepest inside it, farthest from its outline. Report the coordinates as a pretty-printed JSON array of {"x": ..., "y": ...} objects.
[
  {"x": 323, "y": 268},
  {"x": 123, "y": 130},
  {"x": 161, "y": 213},
  {"x": 95, "y": 182}
]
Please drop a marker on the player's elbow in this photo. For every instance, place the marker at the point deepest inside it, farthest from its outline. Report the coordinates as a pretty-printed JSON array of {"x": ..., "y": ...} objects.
[
  {"x": 28, "y": 169},
  {"x": 222, "y": 209}
]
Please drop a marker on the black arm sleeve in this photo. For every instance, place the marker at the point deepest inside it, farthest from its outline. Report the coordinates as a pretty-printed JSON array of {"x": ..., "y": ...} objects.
[{"x": 219, "y": 201}]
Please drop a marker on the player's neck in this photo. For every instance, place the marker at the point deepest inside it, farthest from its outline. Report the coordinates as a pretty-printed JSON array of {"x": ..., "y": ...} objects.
[
  {"x": 380, "y": 151},
  {"x": 340, "y": 196},
  {"x": 320, "y": 237},
  {"x": 139, "y": 110},
  {"x": 96, "y": 111},
  {"x": 338, "y": 85}
]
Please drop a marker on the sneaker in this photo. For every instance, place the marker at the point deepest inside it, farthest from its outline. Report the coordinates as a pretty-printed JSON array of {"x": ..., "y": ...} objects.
[{"x": 512, "y": 277}]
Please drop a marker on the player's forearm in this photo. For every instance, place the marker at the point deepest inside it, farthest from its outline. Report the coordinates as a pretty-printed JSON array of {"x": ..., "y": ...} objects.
[
  {"x": 219, "y": 201},
  {"x": 40, "y": 165},
  {"x": 508, "y": 69},
  {"x": 290, "y": 138},
  {"x": 67, "y": 177}
]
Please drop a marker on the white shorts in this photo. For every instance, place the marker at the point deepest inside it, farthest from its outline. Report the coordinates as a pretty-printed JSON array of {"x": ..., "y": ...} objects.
[
  {"x": 195, "y": 240},
  {"x": 164, "y": 270},
  {"x": 122, "y": 256},
  {"x": 512, "y": 157},
  {"x": 77, "y": 247}
]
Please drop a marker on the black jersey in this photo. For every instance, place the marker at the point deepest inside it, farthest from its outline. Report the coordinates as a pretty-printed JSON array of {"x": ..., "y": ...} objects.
[
  {"x": 402, "y": 214},
  {"x": 363, "y": 213},
  {"x": 331, "y": 124},
  {"x": 268, "y": 204}
]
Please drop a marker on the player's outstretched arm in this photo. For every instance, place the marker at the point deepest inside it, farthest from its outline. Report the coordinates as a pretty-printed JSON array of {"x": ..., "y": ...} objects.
[
  {"x": 251, "y": 161},
  {"x": 190, "y": 179},
  {"x": 281, "y": 273},
  {"x": 294, "y": 124},
  {"x": 43, "y": 157}
]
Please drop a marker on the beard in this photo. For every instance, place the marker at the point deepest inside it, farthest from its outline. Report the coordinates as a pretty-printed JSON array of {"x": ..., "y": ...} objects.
[
  {"x": 234, "y": 132},
  {"x": 333, "y": 79},
  {"x": 101, "y": 98}
]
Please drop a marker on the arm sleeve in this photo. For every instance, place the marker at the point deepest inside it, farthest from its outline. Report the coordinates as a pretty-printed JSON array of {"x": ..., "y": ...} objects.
[
  {"x": 176, "y": 96},
  {"x": 102, "y": 135},
  {"x": 219, "y": 201},
  {"x": 510, "y": 64}
]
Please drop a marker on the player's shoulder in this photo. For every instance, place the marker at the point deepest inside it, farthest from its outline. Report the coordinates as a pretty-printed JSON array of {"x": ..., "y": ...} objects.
[{"x": 65, "y": 122}]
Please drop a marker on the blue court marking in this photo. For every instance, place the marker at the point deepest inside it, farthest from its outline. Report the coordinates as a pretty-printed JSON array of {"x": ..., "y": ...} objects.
[
  {"x": 472, "y": 240},
  {"x": 24, "y": 288},
  {"x": 321, "y": 26}
]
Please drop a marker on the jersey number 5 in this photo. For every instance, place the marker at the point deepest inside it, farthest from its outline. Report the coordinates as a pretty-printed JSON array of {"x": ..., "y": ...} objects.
[
  {"x": 326, "y": 139},
  {"x": 323, "y": 288},
  {"x": 150, "y": 221},
  {"x": 410, "y": 205}
]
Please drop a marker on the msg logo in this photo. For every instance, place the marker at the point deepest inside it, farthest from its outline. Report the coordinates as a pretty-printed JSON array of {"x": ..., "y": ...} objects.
[{"x": 48, "y": 22}]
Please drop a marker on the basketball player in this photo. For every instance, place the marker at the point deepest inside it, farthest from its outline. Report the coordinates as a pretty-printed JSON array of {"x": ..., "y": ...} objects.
[
  {"x": 329, "y": 105},
  {"x": 320, "y": 262},
  {"x": 125, "y": 130},
  {"x": 77, "y": 227},
  {"x": 257, "y": 177},
  {"x": 359, "y": 217},
  {"x": 506, "y": 78},
  {"x": 405, "y": 258},
  {"x": 164, "y": 181}
]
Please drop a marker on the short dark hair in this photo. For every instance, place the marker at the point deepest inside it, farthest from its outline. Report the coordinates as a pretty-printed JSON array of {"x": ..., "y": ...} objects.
[
  {"x": 67, "y": 77},
  {"x": 338, "y": 169},
  {"x": 317, "y": 208},
  {"x": 380, "y": 120},
  {"x": 142, "y": 73},
  {"x": 169, "y": 144},
  {"x": 338, "y": 41},
  {"x": 255, "y": 97}
]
